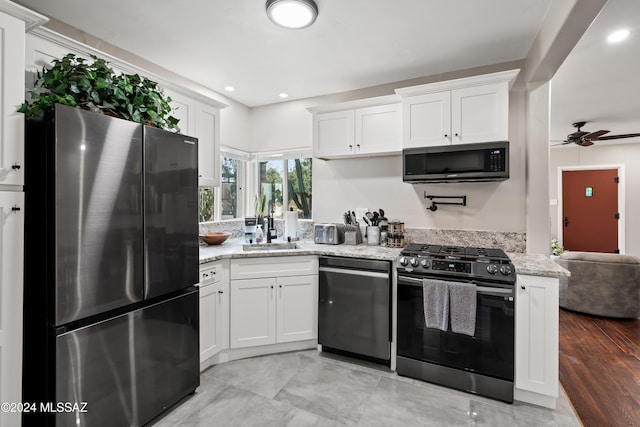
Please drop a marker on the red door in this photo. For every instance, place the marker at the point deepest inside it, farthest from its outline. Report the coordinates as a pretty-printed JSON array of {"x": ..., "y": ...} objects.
[{"x": 589, "y": 210}]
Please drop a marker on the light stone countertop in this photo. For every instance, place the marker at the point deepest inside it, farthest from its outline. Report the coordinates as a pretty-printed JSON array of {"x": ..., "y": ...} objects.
[{"x": 536, "y": 265}]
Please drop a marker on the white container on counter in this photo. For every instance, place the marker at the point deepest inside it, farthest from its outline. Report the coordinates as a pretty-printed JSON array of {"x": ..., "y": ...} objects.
[{"x": 373, "y": 235}]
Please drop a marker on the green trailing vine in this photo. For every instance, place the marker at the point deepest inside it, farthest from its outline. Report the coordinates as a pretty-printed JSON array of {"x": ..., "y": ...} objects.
[{"x": 94, "y": 86}]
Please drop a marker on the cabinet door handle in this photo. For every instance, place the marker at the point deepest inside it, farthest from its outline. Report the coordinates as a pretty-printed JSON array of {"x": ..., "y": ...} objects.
[
  {"x": 280, "y": 286},
  {"x": 15, "y": 209},
  {"x": 350, "y": 147},
  {"x": 358, "y": 146},
  {"x": 271, "y": 286},
  {"x": 522, "y": 286},
  {"x": 456, "y": 134},
  {"x": 446, "y": 135},
  {"x": 220, "y": 292},
  {"x": 15, "y": 166}
]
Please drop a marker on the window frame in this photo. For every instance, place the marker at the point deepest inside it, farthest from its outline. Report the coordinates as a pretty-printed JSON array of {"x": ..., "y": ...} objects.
[
  {"x": 283, "y": 156},
  {"x": 241, "y": 178},
  {"x": 249, "y": 177}
]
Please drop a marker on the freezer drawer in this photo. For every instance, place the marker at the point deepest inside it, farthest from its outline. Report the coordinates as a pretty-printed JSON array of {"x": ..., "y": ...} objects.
[{"x": 130, "y": 368}]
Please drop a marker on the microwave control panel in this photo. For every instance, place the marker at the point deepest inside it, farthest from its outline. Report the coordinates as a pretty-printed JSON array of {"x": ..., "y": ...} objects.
[{"x": 496, "y": 160}]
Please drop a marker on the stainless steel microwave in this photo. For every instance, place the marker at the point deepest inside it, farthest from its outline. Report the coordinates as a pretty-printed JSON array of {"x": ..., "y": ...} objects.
[{"x": 487, "y": 161}]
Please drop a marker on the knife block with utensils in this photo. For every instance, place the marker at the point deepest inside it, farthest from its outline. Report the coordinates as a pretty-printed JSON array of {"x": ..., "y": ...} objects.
[{"x": 352, "y": 235}]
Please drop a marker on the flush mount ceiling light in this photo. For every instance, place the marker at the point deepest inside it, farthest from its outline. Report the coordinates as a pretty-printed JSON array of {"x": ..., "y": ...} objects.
[
  {"x": 292, "y": 13},
  {"x": 618, "y": 36}
]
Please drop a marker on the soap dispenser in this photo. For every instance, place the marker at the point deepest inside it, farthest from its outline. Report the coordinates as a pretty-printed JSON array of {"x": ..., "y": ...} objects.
[{"x": 259, "y": 234}]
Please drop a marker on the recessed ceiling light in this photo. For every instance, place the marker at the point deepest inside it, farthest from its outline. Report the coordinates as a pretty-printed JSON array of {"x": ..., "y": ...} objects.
[
  {"x": 292, "y": 13},
  {"x": 229, "y": 88},
  {"x": 283, "y": 95},
  {"x": 618, "y": 36}
]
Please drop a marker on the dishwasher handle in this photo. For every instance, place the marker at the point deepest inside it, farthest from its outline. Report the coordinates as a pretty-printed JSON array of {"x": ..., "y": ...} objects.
[{"x": 354, "y": 272}]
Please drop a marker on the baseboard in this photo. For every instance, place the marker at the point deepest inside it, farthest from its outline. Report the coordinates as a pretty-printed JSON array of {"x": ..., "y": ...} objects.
[
  {"x": 262, "y": 350},
  {"x": 535, "y": 398}
]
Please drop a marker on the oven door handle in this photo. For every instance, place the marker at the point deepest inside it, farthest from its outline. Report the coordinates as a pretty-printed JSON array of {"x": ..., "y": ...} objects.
[{"x": 480, "y": 289}]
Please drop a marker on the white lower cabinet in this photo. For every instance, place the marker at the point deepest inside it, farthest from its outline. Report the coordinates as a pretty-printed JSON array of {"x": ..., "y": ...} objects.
[
  {"x": 271, "y": 310},
  {"x": 214, "y": 308},
  {"x": 536, "y": 352}
]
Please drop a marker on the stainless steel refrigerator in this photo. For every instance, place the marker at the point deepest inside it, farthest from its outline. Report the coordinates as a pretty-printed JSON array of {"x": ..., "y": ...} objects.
[{"x": 111, "y": 310}]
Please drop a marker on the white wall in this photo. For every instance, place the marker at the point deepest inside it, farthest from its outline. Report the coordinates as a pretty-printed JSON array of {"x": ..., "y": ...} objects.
[
  {"x": 376, "y": 183},
  {"x": 611, "y": 154}
]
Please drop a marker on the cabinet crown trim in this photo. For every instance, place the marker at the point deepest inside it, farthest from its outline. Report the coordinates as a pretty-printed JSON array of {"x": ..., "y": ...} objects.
[
  {"x": 196, "y": 93},
  {"x": 360, "y": 103},
  {"x": 484, "y": 79},
  {"x": 32, "y": 19}
]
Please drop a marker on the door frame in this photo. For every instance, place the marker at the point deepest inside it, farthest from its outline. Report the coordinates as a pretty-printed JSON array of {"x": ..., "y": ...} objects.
[{"x": 621, "y": 199}]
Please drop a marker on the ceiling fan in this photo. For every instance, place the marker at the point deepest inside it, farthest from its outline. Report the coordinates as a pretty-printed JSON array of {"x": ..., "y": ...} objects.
[{"x": 586, "y": 139}]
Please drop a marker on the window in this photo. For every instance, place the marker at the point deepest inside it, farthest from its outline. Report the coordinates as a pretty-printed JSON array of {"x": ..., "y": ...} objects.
[
  {"x": 205, "y": 204},
  {"x": 299, "y": 186},
  {"x": 294, "y": 186},
  {"x": 230, "y": 187}
]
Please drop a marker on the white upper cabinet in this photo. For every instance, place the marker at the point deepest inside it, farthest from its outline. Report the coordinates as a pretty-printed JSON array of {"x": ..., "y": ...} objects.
[
  {"x": 333, "y": 134},
  {"x": 14, "y": 21},
  {"x": 369, "y": 127},
  {"x": 202, "y": 121},
  {"x": 427, "y": 120},
  {"x": 379, "y": 129},
  {"x": 208, "y": 133},
  {"x": 461, "y": 111},
  {"x": 480, "y": 113}
]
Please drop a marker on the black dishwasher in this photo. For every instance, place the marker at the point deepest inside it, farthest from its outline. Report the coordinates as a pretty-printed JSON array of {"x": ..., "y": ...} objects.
[{"x": 354, "y": 311}]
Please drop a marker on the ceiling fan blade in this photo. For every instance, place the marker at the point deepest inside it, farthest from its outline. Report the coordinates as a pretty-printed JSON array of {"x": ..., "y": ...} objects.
[
  {"x": 594, "y": 136},
  {"x": 576, "y": 135},
  {"x": 562, "y": 143},
  {"x": 624, "y": 135}
]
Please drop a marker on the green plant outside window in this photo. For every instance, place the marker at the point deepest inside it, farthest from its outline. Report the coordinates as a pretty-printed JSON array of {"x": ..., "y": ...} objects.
[{"x": 205, "y": 204}]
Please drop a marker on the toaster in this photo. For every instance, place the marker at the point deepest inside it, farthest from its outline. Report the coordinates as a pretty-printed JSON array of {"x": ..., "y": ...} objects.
[{"x": 329, "y": 234}]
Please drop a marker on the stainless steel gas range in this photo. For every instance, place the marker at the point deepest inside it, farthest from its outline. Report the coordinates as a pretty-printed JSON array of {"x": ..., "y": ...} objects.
[{"x": 456, "y": 318}]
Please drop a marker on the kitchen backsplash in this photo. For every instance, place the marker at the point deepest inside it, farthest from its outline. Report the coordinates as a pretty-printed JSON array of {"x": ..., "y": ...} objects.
[
  {"x": 236, "y": 228},
  {"x": 507, "y": 241}
]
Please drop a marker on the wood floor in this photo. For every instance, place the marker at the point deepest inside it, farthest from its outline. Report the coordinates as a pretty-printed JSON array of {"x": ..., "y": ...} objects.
[{"x": 600, "y": 368}]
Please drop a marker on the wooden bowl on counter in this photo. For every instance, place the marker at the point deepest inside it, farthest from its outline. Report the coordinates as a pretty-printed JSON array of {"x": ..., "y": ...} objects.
[{"x": 215, "y": 237}]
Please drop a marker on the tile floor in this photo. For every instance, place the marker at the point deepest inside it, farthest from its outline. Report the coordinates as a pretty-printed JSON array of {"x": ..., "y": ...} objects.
[{"x": 308, "y": 388}]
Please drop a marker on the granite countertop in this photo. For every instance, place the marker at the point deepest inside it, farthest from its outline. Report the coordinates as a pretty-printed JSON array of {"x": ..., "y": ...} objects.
[{"x": 536, "y": 265}]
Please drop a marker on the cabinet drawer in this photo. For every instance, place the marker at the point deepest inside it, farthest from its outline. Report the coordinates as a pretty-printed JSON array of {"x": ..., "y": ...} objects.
[
  {"x": 252, "y": 268},
  {"x": 212, "y": 272}
]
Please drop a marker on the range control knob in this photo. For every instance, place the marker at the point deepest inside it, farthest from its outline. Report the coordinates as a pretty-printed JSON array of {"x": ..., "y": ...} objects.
[
  {"x": 492, "y": 268},
  {"x": 403, "y": 261},
  {"x": 505, "y": 270},
  {"x": 414, "y": 262},
  {"x": 424, "y": 263}
]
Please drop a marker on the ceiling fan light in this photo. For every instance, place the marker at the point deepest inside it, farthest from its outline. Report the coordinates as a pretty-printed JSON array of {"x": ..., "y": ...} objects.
[
  {"x": 293, "y": 14},
  {"x": 618, "y": 36}
]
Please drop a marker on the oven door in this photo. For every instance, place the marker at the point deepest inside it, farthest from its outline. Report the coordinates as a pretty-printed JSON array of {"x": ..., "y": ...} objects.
[{"x": 489, "y": 352}]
